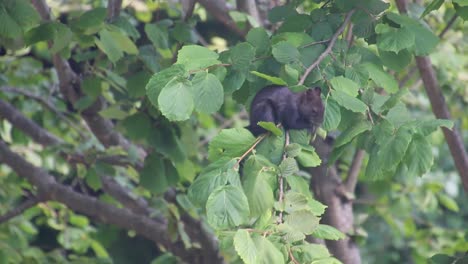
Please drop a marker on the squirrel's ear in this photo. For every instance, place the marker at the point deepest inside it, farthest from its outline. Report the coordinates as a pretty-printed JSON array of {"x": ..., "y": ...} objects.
[{"x": 317, "y": 91}]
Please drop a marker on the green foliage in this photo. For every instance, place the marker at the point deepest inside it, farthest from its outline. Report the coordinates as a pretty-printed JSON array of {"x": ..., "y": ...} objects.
[{"x": 173, "y": 98}]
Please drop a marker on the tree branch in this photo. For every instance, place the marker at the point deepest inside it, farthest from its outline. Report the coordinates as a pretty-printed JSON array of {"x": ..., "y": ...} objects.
[
  {"x": 113, "y": 8},
  {"x": 440, "y": 110},
  {"x": 20, "y": 209},
  {"x": 219, "y": 10},
  {"x": 70, "y": 83},
  {"x": 329, "y": 47},
  {"x": 105, "y": 213},
  {"x": 353, "y": 173},
  {"x": 38, "y": 134}
]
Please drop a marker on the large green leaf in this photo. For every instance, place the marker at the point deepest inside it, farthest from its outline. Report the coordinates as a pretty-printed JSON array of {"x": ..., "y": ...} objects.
[
  {"x": 259, "y": 38},
  {"x": 327, "y": 232},
  {"x": 285, "y": 52},
  {"x": 267, "y": 252},
  {"x": 345, "y": 85},
  {"x": 419, "y": 156},
  {"x": 208, "y": 92},
  {"x": 274, "y": 80},
  {"x": 308, "y": 157},
  {"x": 394, "y": 148},
  {"x": 230, "y": 143},
  {"x": 114, "y": 43},
  {"x": 382, "y": 78},
  {"x": 348, "y": 102},
  {"x": 227, "y": 207},
  {"x": 392, "y": 39},
  {"x": 245, "y": 246},
  {"x": 303, "y": 221},
  {"x": 160, "y": 79},
  {"x": 195, "y": 57},
  {"x": 153, "y": 177},
  {"x": 91, "y": 18},
  {"x": 241, "y": 56},
  {"x": 332, "y": 116},
  {"x": 395, "y": 61},
  {"x": 351, "y": 132},
  {"x": 175, "y": 100},
  {"x": 425, "y": 40},
  {"x": 215, "y": 175}
]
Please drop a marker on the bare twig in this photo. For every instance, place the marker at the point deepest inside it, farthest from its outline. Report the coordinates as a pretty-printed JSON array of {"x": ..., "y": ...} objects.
[
  {"x": 329, "y": 47},
  {"x": 353, "y": 173},
  {"x": 281, "y": 179},
  {"x": 257, "y": 141},
  {"x": 314, "y": 43},
  {"x": 440, "y": 109}
]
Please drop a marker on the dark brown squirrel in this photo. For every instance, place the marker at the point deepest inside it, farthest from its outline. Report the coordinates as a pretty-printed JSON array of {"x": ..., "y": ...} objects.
[{"x": 278, "y": 104}]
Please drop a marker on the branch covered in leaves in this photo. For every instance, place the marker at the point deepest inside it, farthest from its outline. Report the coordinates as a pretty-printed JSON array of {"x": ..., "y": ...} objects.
[
  {"x": 329, "y": 47},
  {"x": 440, "y": 109}
]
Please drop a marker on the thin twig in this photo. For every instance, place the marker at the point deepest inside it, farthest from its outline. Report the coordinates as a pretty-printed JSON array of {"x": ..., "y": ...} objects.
[
  {"x": 314, "y": 43},
  {"x": 281, "y": 179},
  {"x": 329, "y": 48},
  {"x": 257, "y": 141},
  {"x": 32, "y": 201},
  {"x": 292, "y": 256}
]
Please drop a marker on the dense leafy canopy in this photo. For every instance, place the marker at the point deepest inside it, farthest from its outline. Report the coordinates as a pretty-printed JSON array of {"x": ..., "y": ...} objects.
[{"x": 152, "y": 100}]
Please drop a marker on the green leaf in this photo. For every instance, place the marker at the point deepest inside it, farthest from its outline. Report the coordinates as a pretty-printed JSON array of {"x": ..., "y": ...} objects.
[
  {"x": 91, "y": 18},
  {"x": 272, "y": 79},
  {"x": 43, "y": 32},
  {"x": 280, "y": 13},
  {"x": 272, "y": 148},
  {"x": 152, "y": 176},
  {"x": 195, "y": 57},
  {"x": 230, "y": 143},
  {"x": 245, "y": 246},
  {"x": 138, "y": 126},
  {"x": 327, "y": 232},
  {"x": 256, "y": 184},
  {"x": 293, "y": 150},
  {"x": 9, "y": 28},
  {"x": 425, "y": 39},
  {"x": 391, "y": 39},
  {"x": 270, "y": 126},
  {"x": 426, "y": 127},
  {"x": 176, "y": 100},
  {"x": 345, "y": 85},
  {"x": 418, "y": 157},
  {"x": 448, "y": 202},
  {"x": 227, "y": 207},
  {"x": 351, "y": 132},
  {"x": 332, "y": 115},
  {"x": 267, "y": 252},
  {"x": 158, "y": 36},
  {"x": 208, "y": 92},
  {"x": 108, "y": 43},
  {"x": 160, "y": 80},
  {"x": 113, "y": 112},
  {"x": 382, "y": 78},
  {"x": 93, "y": 180},
  {"x": 182, "y": 32},
  {"x": 308, "y": 157},
  {"x": 303, "y": 221},
  {"x": 259, "y": 38},
  {"x": 394, "y": 149},
  {"x": 241, "y": 56},
  {"x": 296, "y": 23},
  {"x": 233, "y": 81},
  {"x": 284, "y": 52},
  {"x": 23, "y": 13},
  {"x": 62, "y": 37},
  {"x": 349, "y": 102},
  {"x": 395, "y": 61},
  {"x": 212, "y": 177},
  {"x": 434, "y": 5},
  {"x": 288, "y": 167}
]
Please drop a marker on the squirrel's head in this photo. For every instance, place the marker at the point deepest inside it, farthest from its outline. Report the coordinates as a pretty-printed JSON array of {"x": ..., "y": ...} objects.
[{"x": 311, "y": 106}]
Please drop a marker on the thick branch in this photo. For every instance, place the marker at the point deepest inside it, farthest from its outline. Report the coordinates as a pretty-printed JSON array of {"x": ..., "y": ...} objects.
[
  {"x": 113, "y": 8},
  {"x": 24, "y": 124},
  {"x": 51, "y": 190},
  {"x": 329, "y": 48},
  {"x": 249, "y": 7},
  {"x": 219, "y": 10},
  {"x": 102, "y": 128},
  {"x": 440, "y": 110}
]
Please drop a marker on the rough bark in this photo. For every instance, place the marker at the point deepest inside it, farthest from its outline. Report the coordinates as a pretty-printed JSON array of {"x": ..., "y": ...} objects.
[{"x": 330, "y": 190}]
